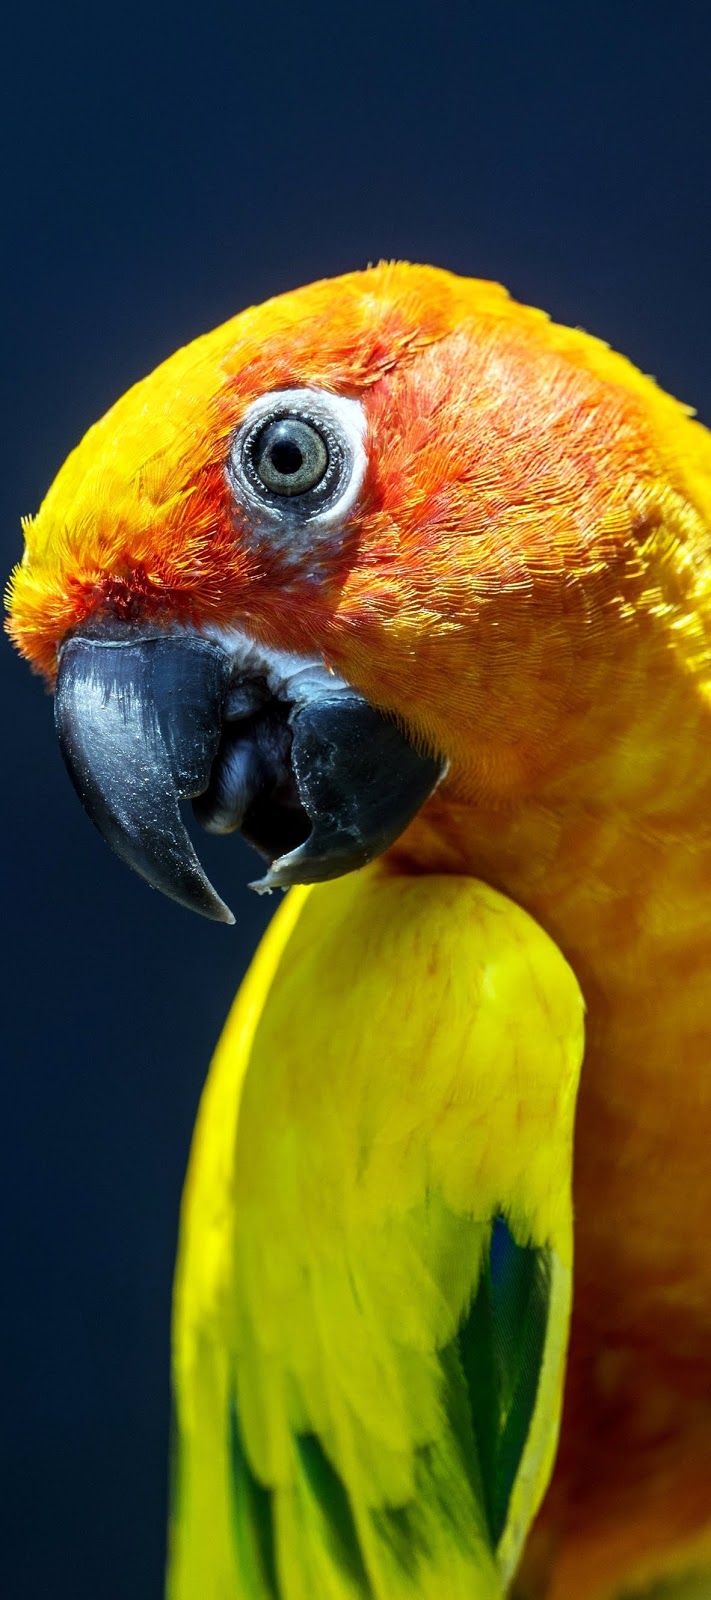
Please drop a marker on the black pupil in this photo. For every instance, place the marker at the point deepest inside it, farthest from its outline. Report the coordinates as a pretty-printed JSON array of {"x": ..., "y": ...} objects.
[
  {"x": 289, "y": 456},
  {"x": 286, "y": 457}
]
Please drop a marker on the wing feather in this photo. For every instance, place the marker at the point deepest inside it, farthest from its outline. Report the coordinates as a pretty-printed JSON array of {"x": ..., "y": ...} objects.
[{"x": 373, "y": 1287}]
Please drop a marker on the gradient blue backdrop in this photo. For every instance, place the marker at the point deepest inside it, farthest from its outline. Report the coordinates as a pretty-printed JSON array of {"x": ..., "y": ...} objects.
[{"x": 168, "y": 165}]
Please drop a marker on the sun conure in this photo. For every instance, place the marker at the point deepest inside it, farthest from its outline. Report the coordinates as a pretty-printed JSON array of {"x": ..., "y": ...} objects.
[{"x": 411, "y": 586}]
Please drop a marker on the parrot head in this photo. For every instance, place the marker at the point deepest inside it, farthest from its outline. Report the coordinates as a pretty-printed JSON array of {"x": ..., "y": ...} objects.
[{"x": 353, "y": 544}]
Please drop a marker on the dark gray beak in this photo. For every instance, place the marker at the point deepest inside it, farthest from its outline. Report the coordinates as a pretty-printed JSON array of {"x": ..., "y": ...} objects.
[
  {"x": 145, "y": 721},
  {"x": 139, "y": 723}
]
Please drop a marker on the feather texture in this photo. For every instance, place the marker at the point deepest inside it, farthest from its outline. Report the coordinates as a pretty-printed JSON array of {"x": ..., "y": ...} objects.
[
  {"x": 525, "y": 585},
  {"x": 374, "y": 1284}
]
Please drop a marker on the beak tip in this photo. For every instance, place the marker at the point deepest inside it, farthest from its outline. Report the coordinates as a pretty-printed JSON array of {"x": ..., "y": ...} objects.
[
  {"x": 303, "y": 866},
  {"x": 200, "y": 896},
  {"x": 264, "y": 885}
]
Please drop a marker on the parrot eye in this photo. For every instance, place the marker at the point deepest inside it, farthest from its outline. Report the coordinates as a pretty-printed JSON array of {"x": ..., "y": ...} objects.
[
  {"x": 298, "y": 458},
  {"x": 289, "y": 456}
]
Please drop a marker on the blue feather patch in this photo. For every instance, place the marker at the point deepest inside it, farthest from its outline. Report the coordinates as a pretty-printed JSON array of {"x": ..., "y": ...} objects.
[{"x": 501, "y": 1345}]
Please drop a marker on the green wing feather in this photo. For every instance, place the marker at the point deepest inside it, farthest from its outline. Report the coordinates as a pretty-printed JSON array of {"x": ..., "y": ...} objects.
[{"x": 374, "y": 1281}]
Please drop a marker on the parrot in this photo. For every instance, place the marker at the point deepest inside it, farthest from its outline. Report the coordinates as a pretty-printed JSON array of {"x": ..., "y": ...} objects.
[{"x": 411, "y": 586}]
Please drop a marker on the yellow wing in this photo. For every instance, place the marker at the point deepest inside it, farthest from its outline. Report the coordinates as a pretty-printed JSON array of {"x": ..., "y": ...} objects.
[{"x": 373, "y": 1285}]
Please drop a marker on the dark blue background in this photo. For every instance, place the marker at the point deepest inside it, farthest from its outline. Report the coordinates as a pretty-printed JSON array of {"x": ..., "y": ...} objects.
[{"x": 170, "y": 164}]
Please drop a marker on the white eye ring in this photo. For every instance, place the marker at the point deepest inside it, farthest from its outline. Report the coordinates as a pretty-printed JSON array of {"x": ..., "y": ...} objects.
[{"x": 342, "y": 426}]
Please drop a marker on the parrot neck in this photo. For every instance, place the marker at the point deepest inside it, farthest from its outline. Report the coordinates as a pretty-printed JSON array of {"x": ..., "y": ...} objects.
[{"x": 607, "y": 843}]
